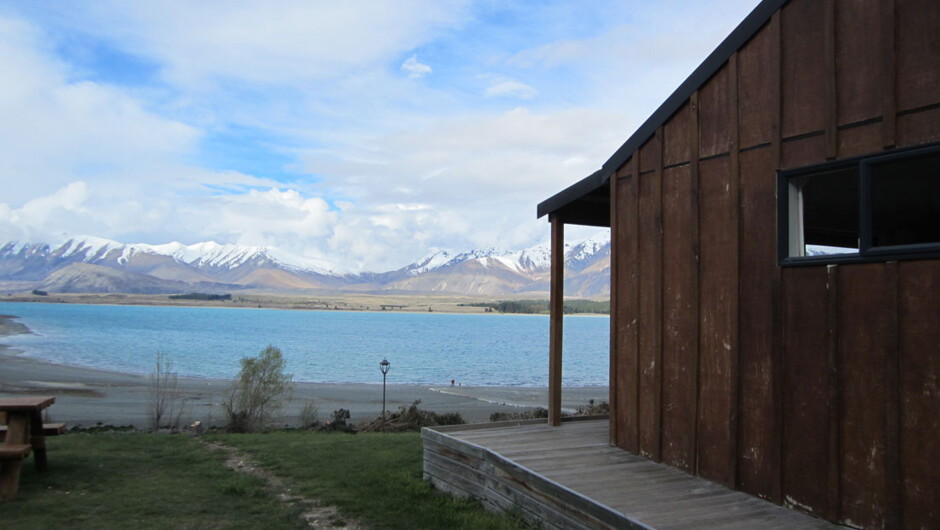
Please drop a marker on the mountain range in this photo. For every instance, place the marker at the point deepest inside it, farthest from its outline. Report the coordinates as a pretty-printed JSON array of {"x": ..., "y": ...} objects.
[{"x": 90, "y": 264}]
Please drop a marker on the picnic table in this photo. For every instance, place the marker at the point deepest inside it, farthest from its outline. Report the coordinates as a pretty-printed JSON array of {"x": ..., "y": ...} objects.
[{"x": 24, "y": 433}]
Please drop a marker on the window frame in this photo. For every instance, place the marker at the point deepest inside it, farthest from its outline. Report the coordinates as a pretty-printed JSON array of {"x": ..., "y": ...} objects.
[{"x": 867, "y": 253}]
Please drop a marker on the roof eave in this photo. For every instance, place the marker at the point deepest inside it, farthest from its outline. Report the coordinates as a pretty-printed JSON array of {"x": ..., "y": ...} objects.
[{"x": 568, "y": 195}]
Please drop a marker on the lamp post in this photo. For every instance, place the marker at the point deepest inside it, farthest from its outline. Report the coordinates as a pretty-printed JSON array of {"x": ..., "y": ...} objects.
[{"x": 384, "y": 365}]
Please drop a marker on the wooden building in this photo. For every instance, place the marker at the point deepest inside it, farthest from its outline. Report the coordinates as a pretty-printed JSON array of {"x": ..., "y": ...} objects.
[{"x": 775, "y": 277}]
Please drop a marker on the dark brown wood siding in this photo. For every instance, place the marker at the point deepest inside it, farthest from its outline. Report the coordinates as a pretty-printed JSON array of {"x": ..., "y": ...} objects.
[
  {"x": 680, "y": 320},
  {"x": 626, "y": 341},
  {"x": 919, "y": 373},
  {"x": 815, "y": 387},
  {"x": 650, "y": 315}
]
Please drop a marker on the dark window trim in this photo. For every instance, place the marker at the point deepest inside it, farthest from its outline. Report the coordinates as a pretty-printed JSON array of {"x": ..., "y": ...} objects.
[{"x": 866, "y": 252}]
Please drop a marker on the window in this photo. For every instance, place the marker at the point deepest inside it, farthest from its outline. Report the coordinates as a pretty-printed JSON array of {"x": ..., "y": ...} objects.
[{"x": 865, "y": 209}]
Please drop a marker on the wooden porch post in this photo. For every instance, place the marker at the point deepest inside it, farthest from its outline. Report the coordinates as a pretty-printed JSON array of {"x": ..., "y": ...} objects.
[{"x": 556, "y": 311}]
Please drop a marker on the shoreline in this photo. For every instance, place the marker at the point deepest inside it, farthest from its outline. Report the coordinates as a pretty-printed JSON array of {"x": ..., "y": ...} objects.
[
  {"x": 375, "y": 303},
  {"x": 87, "y": 397}
]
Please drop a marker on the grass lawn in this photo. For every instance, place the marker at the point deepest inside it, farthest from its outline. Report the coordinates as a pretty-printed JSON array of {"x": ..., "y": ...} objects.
[
  {"x": 373, "y": 477},
  {"x": 139, "y": 480}
]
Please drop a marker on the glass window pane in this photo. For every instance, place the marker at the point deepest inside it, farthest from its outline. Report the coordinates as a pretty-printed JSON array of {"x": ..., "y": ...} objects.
[
  {"x": 829, "y": 212},
  {"x": 906, "y": 201}
]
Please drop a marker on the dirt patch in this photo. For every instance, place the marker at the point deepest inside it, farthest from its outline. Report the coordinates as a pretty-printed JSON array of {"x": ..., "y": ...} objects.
[{"x": 314, "y": 512}]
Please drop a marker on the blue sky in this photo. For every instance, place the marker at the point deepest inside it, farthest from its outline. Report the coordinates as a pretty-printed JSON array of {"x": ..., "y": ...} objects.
[{"x": 366, "y": 134}]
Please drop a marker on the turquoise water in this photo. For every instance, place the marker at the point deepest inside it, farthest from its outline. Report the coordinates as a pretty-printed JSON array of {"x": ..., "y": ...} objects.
[{"x": 319, "y": 346}]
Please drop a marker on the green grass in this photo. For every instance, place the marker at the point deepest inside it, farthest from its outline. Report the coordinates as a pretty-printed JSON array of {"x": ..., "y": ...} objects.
[
  {"x": 373, "y": 477},
  {"x": 138, "y": 480}
]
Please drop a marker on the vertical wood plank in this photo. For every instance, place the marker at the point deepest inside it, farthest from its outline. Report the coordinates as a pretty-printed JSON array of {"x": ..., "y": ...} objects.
[
  {"x": 859, "y": 68},
  {"x": 776, "y": 87},
  {"x": 556, "y": 320},
  {"x": 831, "y": 101},
  {"x": 803, "y": 67},
  {"x": 734, "y": 182},
  {"x": 633, "y": 280},
  {"x": 758, "y": 102},
  {"x": 893, "y": 486},
  {"x": 717, "y": 302},
  {"x": 917, "y": 46},
  {"x": 806, "y": 389},
  {"x": 694, "y": 236},
  {"x": 658, "y": 377},
  {"x": 919, "y": 373},
  {"x": 834, "y": 411},
  {"x": 628, "y": 238},
  {"x": 864, "y": 335},
  {"x": 758, "y": 267},
  {"x": 680, "y": 320},
  {"x": 676, "y": 137},
  {"x": 614, "y": 310},
  {"x": 714, "y": 132},
  {"x": 650, "y": 305},
  {"x": 803, "y": 152},
  {"x": 680, "y": 291},
  {"x": 756, "y": 73},
  {"x": 889, "y": 110}
]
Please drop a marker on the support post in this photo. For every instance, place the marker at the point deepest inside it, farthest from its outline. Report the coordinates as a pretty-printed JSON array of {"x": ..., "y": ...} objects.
[{"x": 556, "y": 310}]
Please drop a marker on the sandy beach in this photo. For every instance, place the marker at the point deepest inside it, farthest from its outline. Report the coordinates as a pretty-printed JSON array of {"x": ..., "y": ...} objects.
[{"x": 87, "y": 397}]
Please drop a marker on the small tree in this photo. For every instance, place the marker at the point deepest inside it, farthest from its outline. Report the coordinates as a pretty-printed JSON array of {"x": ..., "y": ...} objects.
[
  {"x": 257, "y": 393},
  {"x": 164, "y": 406}
]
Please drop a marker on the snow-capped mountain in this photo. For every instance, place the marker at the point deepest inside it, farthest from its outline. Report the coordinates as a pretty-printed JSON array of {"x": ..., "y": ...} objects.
[
  {"x": 92, "y": 264},
  {"x": 207, "y": 255},
  {"x": 522, "y": 261}
]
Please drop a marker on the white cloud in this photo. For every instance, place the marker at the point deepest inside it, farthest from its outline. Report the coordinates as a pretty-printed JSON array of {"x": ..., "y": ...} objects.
[
  {"x": 478, "y": 178},
  {"x": 379, "y": 169},
  {"x": 44, "y": 216},
  {"x": 511, "y": 88},
  {"x": 265, "y": 217},
  {"x": 53, "y": 130},
  {"x": 555, "y": 53},
  {"x": 280, "y": 41},
  {"x": 414, "y": 69}
]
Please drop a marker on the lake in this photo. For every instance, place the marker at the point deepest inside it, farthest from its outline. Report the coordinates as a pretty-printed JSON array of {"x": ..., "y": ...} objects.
[{"x": 319, "y": 346}]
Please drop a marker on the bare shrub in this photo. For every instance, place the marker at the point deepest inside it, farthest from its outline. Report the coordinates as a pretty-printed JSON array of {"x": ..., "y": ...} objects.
[
  {"x": 164, "y": 407},
  {"x": 257, "y": 394},
  {"x": 309, "y": 415}
]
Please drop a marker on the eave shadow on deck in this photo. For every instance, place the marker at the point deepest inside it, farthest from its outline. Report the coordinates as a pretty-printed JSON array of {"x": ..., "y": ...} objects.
[{"x": 570, "y": 477}]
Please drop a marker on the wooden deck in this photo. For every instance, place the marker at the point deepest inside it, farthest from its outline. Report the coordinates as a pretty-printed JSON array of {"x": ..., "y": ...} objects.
[{"x": 570, "y": 477}]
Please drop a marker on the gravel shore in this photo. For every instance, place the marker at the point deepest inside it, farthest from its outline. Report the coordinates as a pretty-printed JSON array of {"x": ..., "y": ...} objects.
[{"x": 87, "y": 397}]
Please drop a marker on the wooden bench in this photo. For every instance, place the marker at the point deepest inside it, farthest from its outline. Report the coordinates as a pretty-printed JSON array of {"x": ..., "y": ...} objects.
[
  {"x": 48, "y": 429},
  {"x": 14, "y": 451},
  {"x": 11, "y": 461},
  {"x": 25, "y": 433}
]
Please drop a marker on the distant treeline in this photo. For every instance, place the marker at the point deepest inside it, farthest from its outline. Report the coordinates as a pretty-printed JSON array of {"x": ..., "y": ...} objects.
[
  {"x": 541, "y": 306},
  {"x": 201, "y": 296}
]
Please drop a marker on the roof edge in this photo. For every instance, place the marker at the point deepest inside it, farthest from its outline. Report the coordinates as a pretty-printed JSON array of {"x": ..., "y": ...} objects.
[
  {"x": 744, "y": 31},
  {"x": 566, "y": 196}
]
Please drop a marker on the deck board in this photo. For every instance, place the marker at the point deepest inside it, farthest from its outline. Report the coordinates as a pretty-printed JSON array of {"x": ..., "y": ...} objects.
[{"x": 577, "y": 457}]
